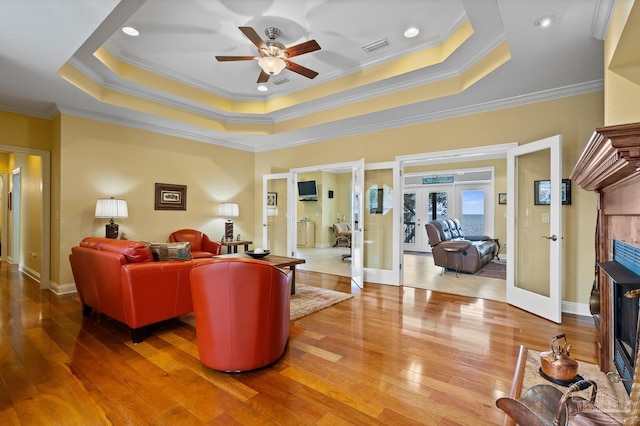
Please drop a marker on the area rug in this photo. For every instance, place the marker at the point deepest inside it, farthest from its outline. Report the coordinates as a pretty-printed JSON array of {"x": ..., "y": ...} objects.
[
  {"x": 309, "y": 299},
  {"x": 611, "y": 397},
  {"x": 495, "y": 269}
]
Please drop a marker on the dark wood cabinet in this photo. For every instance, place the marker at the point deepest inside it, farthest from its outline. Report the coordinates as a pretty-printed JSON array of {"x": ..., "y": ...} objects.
[{"x": 610, "y": 166}]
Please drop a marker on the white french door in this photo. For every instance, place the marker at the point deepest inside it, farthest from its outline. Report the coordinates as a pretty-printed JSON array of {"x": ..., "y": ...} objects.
[
  {"x": 357, "y": 218},
  {"x": 534, "y": 227},
  {"x": 420, "y": 206}
]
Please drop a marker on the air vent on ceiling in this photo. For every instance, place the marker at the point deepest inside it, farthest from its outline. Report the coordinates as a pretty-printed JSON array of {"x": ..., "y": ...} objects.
[
  {"x": 376, "y": 45},
  {"x": 283, "y": 80}
]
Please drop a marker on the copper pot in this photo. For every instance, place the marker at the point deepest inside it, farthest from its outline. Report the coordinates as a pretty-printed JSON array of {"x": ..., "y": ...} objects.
[{"x": 556, "y": 363}]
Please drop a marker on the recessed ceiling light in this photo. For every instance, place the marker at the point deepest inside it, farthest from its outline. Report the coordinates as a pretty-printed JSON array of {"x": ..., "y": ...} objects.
[
  {"x": 263, "y": 88},
  {"x": 411, "y": 32},
  {"x": 130, "y": 31},
  {"x": 545, "y": 21}
]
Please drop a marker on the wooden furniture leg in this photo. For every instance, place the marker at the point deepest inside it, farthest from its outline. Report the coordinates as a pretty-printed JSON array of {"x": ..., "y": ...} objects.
[{"x": 516, "y": 383}]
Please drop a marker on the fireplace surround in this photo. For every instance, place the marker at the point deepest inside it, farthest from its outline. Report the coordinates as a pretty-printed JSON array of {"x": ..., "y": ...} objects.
[
  {"x": 624, "y": 278},
  {"x": 610, "y": 166}
]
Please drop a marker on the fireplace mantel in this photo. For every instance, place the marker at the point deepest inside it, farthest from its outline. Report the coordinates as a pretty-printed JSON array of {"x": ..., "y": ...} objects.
[
  {"x": 611, "y": 157},
  {"x": 610, "y": 166}
]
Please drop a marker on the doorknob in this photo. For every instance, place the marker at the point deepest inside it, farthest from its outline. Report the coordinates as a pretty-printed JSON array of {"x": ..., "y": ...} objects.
[{"x": 552, "y": 238}]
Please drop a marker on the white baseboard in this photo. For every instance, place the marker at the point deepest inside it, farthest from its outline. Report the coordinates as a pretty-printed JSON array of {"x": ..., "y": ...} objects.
[
  {"x": 34, "y": 275},
  {"x": 576, "y": 308},
  {"x": 60, "y": 289},
  {"x": 323, "y": 245},
  {"x": 380, "y": 276}
]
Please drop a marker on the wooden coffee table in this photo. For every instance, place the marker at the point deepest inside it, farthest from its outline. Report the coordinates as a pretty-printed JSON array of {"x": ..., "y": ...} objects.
[{"x": 275, "y": 260}]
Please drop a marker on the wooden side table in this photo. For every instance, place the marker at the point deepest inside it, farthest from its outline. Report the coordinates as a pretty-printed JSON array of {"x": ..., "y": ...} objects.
[
  {"x": 233, "y": 245},
  {"x": 497, "y": 252}
]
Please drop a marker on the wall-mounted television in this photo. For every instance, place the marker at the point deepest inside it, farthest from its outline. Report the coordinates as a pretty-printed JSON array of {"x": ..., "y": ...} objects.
[{"x": 308, "y": 190}]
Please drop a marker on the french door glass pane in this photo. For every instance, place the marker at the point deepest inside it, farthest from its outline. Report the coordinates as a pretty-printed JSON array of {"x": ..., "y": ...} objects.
[
  {"x": 473, "y": 212},
  {"x": 439, "y": 202},
  {"x": 410, "y": 217}
]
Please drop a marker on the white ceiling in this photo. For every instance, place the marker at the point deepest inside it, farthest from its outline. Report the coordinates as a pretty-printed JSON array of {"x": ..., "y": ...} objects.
[{"x": 42, "y": 41}]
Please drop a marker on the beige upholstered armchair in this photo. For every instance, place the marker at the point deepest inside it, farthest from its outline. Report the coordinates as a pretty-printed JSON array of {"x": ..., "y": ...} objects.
[
  {"x": 343, "y": 237},
  {"x": 342, "y": 234}
]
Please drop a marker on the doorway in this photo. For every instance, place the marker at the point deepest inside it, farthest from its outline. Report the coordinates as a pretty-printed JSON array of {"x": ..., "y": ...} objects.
[
  {"x": 465, "y": 194},
  {"x": 311, "y": 218},
  {"x": 35, "y": 181}
]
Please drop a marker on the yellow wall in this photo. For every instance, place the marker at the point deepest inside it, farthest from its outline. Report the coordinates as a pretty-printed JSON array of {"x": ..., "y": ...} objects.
[
  {"x": 24, "y": 131},
  {"x": 100, "y": 160},
  {"x": 58, "y": 257},
  {"x": 622, "y": 65},
  {"x": 574, "y": 117}
]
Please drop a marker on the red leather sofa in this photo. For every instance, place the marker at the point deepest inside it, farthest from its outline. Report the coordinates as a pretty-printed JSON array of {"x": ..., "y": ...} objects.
[
  {"x": 201, "y": 245},
  {"x": 120, "y": 279},
  {"x": 242, "y": 312}
]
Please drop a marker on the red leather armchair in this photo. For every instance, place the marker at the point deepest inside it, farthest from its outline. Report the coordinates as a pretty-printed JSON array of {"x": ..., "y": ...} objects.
[
  {"x": 201, "y": 245},
  {"x": 242, "y": 313}
]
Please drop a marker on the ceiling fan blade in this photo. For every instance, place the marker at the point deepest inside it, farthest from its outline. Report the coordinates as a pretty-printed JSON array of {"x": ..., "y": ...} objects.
[
  {"x": 263, "y": 77},
  {"x": 302, "y": 48},
  {"x": 292, "y": 66},
  {"x": 253, "y": 36},
  {"x": 235, "y": 58}
]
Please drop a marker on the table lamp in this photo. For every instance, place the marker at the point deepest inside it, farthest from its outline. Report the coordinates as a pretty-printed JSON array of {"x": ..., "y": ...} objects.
[
  {"x": 111, "y": 208},
  {"x": 228, "y": 210}
]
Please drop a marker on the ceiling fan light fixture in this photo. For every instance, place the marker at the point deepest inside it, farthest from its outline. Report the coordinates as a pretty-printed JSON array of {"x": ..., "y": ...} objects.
[
  {"x": 262, "y": 88},
  {"x": 272, "y": 65}
]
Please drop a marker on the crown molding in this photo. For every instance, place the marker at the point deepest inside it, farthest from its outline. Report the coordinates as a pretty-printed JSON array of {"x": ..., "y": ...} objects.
[
  {"x": 154, "y": 127},
  {"x": 601, "y": 18},
  {"x": 47, "y": 113},
  {"x": 332, "y": 131},
  {"x": 542, "y": 96}
]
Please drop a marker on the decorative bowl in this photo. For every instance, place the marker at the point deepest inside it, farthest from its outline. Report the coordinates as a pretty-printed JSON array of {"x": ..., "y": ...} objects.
[{"x": 258, "y": 255}]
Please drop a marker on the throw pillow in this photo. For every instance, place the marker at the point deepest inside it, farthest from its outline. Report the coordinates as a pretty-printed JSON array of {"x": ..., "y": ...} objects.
[{"x": 170, "y": 251}]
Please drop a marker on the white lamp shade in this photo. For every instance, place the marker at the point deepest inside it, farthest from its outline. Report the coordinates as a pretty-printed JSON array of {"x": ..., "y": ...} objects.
[
  {"x": 272, "y": 65},
  {"x": 111, "y": 208},
  {"x": 229, "y": 210}
]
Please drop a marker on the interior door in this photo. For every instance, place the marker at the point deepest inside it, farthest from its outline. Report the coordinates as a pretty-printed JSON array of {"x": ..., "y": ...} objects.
[
  {"x": 357, "y": 236},
  {"x": 274, "y": 212},
  {"x": 534, "y": 227}
]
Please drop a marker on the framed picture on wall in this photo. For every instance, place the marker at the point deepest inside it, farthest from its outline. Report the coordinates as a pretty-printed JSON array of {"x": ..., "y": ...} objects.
[
  {"x": 565, "y": 191},
  {"x": 171, "y": 197},
  {"x": 502, "y": 198},
  {"x": 542, "y": 192},
  {"x": 272, "y": 200}
]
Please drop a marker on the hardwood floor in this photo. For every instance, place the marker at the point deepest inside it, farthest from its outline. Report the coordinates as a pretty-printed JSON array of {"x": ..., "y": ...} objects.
[{"x": 390, "y": 355}]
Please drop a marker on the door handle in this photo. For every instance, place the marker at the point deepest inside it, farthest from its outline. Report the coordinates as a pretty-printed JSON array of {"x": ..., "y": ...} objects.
[{"x": 552, "y": 238}]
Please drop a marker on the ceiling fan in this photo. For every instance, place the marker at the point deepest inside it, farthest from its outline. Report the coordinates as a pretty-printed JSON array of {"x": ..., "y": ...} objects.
[{"x": 274, "y": 56}]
